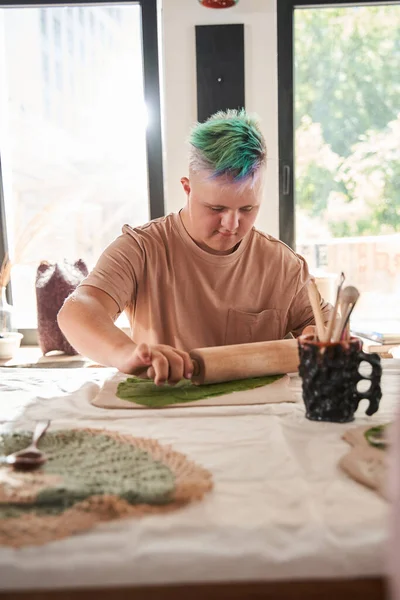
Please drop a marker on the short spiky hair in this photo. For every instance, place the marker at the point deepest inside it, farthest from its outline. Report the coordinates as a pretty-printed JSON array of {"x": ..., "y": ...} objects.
[{"x": 228, "y": 143}]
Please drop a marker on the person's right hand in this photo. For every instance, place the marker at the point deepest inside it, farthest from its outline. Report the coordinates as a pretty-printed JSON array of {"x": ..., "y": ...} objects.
[{"x": 159, "y": 362}]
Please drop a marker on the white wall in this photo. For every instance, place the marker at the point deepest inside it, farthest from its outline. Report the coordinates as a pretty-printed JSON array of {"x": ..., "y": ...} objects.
[{"x": 179, "y": 18}]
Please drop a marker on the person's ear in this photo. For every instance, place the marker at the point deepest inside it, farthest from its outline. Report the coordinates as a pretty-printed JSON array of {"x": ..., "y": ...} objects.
[{"x": 186, "y": 185}]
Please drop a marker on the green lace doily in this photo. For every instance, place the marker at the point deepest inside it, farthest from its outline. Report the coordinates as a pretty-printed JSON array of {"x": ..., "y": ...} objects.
[
  {"x": 90, "y": 465},
  {"x": 92, "y": 476},
  {"x": 146, "y": 393}
]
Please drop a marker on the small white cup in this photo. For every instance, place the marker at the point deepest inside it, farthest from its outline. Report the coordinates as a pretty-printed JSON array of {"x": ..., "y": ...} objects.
[{"x": 10, "y": 341}]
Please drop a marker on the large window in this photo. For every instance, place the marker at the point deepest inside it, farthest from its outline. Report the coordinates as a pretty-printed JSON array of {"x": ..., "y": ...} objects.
[
  {"x": 339, "y": 145},
  {"x": 81, "y": 137}
]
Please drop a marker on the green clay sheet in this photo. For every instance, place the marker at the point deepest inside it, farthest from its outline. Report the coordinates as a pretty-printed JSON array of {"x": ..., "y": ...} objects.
[{"x": 123, "y": 391}]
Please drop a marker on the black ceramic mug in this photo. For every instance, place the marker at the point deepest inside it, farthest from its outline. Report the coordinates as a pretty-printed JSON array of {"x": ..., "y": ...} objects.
[{"x": 330, "y": 374}]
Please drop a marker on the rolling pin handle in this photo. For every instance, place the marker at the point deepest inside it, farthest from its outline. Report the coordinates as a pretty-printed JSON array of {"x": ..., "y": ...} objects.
[{"x": 196, "y": 368}]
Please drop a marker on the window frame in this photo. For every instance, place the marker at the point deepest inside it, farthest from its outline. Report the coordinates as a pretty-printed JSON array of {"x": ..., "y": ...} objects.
[
  {"x": 151, "y": 86},
  {"x": 285, "y": 14}
]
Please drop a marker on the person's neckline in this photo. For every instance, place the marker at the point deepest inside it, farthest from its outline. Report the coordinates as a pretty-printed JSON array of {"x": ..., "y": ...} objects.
[{"x": 216, "y": 259}]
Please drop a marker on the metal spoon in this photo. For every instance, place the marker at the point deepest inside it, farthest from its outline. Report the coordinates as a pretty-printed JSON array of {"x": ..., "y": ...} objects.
[{"x": 30, "y": 457}]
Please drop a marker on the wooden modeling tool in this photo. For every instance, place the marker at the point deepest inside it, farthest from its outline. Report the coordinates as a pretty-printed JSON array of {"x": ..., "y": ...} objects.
[
  {"x": 348, "y": 299},
  {"x": 334, "y": 314},
  {"x": 314, "y": 297}
]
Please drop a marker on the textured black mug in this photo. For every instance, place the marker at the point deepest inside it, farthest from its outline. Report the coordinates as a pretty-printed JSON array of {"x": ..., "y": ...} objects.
[{"x": 330, "y": 374}]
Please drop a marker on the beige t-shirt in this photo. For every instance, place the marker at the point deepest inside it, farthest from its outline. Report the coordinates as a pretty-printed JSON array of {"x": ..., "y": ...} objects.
[{"x": 175, "y": 293}]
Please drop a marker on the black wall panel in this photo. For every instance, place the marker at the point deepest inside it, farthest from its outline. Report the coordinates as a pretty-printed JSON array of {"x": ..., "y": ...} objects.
[{"x": 220, "y": 68}]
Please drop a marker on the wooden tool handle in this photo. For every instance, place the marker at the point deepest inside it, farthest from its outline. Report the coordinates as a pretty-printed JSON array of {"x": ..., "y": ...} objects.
[
  {"x": 315, "y": 301},
  {"x": 240, "y": 361}
]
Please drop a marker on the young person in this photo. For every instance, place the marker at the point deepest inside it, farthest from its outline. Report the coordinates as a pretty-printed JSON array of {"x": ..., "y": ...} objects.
[{"x": 201, "y": 277}]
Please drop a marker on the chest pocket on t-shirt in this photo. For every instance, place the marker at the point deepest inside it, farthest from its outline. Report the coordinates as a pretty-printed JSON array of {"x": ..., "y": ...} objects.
[{"x": 244, "y": 327}]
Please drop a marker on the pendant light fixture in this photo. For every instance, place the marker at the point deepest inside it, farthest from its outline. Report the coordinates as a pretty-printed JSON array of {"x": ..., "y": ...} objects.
[{"x": 218, "y": 3}]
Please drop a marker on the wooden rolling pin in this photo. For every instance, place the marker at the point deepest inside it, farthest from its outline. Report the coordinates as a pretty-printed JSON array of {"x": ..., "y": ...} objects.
[{"x": 240, "y": 361}]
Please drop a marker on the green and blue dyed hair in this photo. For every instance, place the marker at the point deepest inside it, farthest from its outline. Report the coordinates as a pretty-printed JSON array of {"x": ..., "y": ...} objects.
[{"x": 228, "y": 144}]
